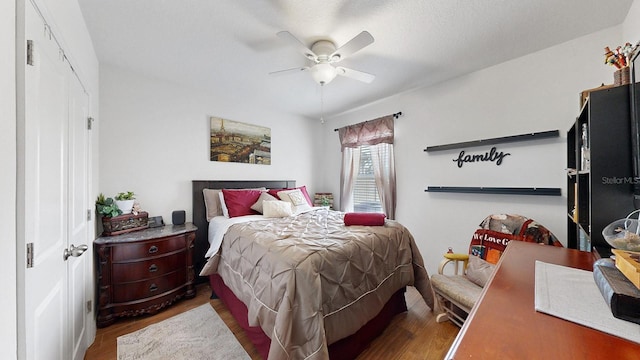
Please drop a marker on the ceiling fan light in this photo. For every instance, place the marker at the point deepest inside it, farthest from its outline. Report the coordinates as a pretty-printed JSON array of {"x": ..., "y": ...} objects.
[{"x": 323, "y": 73}]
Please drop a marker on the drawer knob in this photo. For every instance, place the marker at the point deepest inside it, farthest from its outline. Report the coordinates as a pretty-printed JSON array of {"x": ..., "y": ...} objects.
[
  {"x": 153, "y": 249},
  {"x": 153, "y": 268},
  {"x": 153, "y": 288}
]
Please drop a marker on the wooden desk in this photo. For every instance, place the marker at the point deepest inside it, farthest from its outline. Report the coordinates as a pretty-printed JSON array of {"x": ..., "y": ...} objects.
[{"x": 505, "y": 325}]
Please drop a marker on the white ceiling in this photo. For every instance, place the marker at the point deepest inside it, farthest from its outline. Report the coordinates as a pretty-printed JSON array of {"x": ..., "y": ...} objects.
[{"x": 229, "y": 46}]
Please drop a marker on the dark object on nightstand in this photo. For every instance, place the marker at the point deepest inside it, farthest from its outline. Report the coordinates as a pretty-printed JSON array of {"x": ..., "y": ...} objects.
[
  {"x": 156, "y": 221},
  {"x": 144, "y": 271},
  {"x": 177, "y": 217}
]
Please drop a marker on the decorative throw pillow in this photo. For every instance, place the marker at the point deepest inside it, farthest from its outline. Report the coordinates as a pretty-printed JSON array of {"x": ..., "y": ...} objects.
[
  {"x": 239, "y": 202},
  {"x": 223, "y": 206},
  {"x": 479, "y": 271},
  {"x": 212, "y": 203},
  {"x": 489, "y": 245},
  {"x": 259, "y": 204},
  {"x": 297, "y": 200},
  {"x": 303, "y": 189},
  {"x": 364, "y": 219},
  {"x": 276, "y": 209}
]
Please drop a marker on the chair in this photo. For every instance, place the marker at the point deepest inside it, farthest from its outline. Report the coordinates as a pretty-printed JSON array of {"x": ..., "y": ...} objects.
[{"x": 457, "y": 293}]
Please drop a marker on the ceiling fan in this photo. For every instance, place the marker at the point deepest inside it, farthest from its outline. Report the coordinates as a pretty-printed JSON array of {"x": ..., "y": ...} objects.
[{"x": 323, "y": 54}]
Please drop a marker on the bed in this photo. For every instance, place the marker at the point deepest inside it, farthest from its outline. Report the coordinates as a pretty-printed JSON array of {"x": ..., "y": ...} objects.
[{"x": 307, "y": 286}]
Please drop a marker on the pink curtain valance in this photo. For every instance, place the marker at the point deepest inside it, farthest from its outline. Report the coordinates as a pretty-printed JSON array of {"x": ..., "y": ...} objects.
[{"x": 370, "y": 132}]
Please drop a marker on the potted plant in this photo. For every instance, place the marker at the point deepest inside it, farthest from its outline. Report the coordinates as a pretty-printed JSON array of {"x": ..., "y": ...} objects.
[
  {"x": 125, "y": 201},
  {"x": 114, "y": 224},
  {"x": 107, "y": 207},
  {"x": 324, "y": 201}
]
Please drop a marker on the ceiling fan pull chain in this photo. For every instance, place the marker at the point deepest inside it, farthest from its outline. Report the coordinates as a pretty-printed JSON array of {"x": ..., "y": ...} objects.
[{"x": 321, "y": 103}]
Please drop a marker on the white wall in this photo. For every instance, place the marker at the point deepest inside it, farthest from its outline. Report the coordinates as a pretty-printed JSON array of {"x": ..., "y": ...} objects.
[
  {"x": 631, "y": 25},
  {"x": 154, "y": 139},
  {"x": 537, "y": 92},
  {"x": 8, "y": 306}
]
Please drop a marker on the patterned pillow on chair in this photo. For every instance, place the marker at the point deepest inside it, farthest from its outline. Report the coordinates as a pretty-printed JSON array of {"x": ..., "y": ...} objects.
[{"x": 498, "y": 230}]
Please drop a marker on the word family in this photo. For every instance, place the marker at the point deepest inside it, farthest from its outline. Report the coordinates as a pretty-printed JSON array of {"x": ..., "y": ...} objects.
[{"x": 492, "y": 155}]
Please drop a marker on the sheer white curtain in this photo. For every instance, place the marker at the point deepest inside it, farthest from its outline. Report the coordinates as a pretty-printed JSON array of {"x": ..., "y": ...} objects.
[
  {"x": 378, "y": 135},
  {"x": 350, "y": 168},
  {"x": 384, "y": 170}
]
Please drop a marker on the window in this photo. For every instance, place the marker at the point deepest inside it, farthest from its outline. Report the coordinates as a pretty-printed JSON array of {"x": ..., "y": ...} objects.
[
  {"x": 365, "y": 192},
  {"x": 368, "y": 179}
]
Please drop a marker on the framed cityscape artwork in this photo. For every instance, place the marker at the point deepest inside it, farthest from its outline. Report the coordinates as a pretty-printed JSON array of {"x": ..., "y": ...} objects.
[{"x": 234, "y": 141}]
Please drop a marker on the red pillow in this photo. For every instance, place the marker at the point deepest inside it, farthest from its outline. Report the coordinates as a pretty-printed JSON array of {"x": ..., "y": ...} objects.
[
  {"x": 303, "y": 189},
  {"x": 239, "y": 202},
  {"x": 489, "y": 245},
  {"x": 366, "y": 219}
]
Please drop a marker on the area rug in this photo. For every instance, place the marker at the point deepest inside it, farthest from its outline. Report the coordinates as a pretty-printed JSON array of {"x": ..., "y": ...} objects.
[{"x": 193, "y": 335}]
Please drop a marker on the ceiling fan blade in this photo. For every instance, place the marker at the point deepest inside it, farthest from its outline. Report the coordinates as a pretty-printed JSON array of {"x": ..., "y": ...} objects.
[
  {"x": 289, "y": 71},
  {"x": 352, "y": 46},
  {"x": 355, "y": 74},
  {"x": 302, "y": 48}
]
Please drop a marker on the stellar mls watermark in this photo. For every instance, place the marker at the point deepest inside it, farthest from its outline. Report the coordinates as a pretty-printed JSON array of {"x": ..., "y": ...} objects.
[{"x": 615, "y": 180}]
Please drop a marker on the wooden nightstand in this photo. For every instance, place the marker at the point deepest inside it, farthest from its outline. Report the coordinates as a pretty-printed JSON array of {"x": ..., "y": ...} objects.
[{"x": 144, "y": 271}]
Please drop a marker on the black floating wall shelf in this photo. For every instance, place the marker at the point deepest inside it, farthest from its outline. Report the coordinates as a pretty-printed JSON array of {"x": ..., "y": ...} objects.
[
  {"x": 500, "y": 140},
  {"x": 496, "y": 190}
]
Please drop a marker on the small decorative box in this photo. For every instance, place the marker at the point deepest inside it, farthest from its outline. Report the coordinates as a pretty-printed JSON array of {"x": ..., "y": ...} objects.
[{"x": 124, "y": 223}]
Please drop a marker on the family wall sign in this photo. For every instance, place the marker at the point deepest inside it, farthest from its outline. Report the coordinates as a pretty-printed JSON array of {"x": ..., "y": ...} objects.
[
  {"x": 492, "y": 155},
  {"x": 495, "y": 156}
]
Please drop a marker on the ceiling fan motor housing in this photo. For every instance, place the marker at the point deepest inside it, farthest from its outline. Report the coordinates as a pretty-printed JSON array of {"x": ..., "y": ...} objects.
[{"x": 323, "y": 49}]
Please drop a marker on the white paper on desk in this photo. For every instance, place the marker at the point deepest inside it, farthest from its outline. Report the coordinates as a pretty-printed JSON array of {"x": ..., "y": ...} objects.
[{"x": 572, "y": 294}]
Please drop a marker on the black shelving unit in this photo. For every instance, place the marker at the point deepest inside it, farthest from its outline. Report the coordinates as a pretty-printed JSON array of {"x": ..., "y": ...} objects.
[{"x": 604, "y": 192}]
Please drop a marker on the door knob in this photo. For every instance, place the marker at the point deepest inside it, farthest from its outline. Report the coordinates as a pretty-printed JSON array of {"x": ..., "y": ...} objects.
[{"x": 74, "y": 251}]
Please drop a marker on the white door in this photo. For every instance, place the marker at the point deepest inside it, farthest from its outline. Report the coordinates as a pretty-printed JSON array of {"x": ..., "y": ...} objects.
[
  {"x": 78, "y": 266},
  {"x": 55, "y": 187}
]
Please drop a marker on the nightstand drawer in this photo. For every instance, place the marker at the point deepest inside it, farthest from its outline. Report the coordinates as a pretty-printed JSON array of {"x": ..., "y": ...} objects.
[
  {"x": 141, "y": 270},
  {"x": 149, "y": 248},
  {"x": 147, "y": 288}
]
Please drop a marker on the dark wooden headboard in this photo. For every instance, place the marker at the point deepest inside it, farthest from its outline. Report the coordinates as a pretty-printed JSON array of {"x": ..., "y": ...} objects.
[{"x": 200, "y": 213}]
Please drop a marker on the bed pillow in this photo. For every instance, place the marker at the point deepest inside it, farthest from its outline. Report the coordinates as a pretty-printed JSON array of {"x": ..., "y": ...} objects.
[
  {"x": 258, "y": 206},
  {"x": 212, "y": 203},
  {"x": 364, "y": 219},
  {"x": 297, "y": 200},
  {"x": 479, "y": 271},
  {"x": 276, "y": 209},
  {"x": 239, "y": 202},
  {"x": 303, "y": 189},
  {"x": 223, "y": 206}
]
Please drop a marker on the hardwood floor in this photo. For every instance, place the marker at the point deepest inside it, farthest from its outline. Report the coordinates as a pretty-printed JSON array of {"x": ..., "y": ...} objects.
[{"x": 411, "y": 335}]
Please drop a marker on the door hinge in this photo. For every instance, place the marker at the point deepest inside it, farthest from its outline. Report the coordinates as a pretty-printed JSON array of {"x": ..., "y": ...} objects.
[
  {"x": 89, "y": 214},
  {"x": 30, "y": 255},
  {"x": 89, "y": 123},
  {"x": 30, "y": 52},
  {"x": 89, "y": 306}
]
